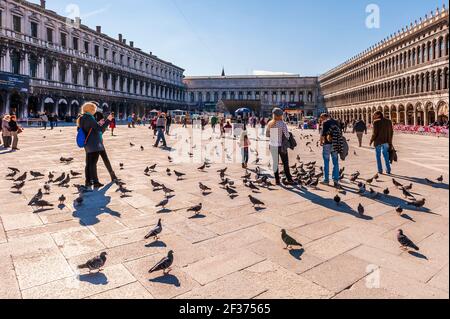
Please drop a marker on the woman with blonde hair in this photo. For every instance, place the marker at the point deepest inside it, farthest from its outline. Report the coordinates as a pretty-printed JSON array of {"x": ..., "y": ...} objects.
[
  {"x": 277, "y": 130},
  {"x": 94, "y": 141}
]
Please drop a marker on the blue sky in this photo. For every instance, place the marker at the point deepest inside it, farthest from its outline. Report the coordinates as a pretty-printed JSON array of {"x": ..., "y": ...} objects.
[{"x": 306, "y": 37}]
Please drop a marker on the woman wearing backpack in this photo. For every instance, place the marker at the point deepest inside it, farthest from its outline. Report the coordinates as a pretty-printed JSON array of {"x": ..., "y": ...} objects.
[
  {"x": 93, "y": 143},
  {"x": 276, "y": 130}
]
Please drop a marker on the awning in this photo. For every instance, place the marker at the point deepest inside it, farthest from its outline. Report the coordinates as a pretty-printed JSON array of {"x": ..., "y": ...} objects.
[
  {"x": 62, "y": 101},
  {"x": 49, "y": 100}
]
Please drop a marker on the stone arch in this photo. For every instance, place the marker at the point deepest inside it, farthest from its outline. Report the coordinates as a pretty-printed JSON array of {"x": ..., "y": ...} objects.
[
  {"x": 49, "y": 105},
  {"x": 394, "y": 114},
  {"x": 409, "y": 114},
  {"x": 430, "y": 113},
  {"x": 419, "y": 114},
  {"x": 62, "y": 109},
  {"x": 442, "y": 112},
  {"x": 402, "y": 114},
  {"x": 387, "y": 111},
  {"x": 74, "y": 108}
]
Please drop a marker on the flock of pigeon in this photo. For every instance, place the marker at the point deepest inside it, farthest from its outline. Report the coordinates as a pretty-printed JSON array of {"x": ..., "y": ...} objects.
[{"x": 306, "y": 175}]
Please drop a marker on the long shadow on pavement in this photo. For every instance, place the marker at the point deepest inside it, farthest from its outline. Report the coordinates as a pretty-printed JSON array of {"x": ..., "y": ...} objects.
[
  {"x": 95, "y": 204},
  {"x": 422, "y": 181},
  {"x": 167, "y": 280}
]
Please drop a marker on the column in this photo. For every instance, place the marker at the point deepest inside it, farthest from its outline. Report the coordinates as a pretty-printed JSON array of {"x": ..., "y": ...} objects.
[
  {"x": 415, "y": 116},
  {"x": 91, "y": 78},
  {"x": 405, "y": 115},
  {"x": 110, "y": 82},
  {"x": 69, "y": 78},
  {"x": 7, "y": 61},
  {"x": 56, "y": 72},
  {"x": 8, "y": 102},
  {"x": 425, "y": 116},
  {"x": 26, "y": 65}
]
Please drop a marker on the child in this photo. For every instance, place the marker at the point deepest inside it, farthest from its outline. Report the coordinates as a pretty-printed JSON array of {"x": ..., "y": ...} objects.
[{"x": 244, "y": 144}]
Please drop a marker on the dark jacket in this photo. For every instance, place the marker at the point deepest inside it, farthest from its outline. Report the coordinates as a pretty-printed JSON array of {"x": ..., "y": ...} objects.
[
  {"x": 360, "y": 127},
  {"x": 13, "y": 127},
  {"x": 95, "y": 140},
  {"x": 383, "y": 132}
]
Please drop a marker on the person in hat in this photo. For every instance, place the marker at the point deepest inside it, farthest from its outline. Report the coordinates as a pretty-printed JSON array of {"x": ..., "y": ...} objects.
[{"x": 276, "y": 130}]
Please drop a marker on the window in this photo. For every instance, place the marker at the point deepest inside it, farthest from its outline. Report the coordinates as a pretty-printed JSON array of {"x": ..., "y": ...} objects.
[
  {"x": 50, "y": 35},
  {"x": 17, "y": 24},
  {"x": 34, "y": 29},
  {"x": 86, "y": 46},
  {"x": 97, "y": 51},
  {"x": 121, "y": 59},
  {"x": 63, "y": 40},
  {"x": 114, "y": 56},
  {"x": 105, "y": 54},
  {"x": 48, "y": 69},
  {"x": 62, "y": 73},
  {"x": 75, "y": 43},
  {"x": 15, "y": 62},
  {"x": 86, "y": 77},
  {"x": 33, "y": 67},
  {"x": 74, "y": 76}
]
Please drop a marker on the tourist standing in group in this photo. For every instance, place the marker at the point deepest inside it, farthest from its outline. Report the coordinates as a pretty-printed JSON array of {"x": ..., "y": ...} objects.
[
  {"x": 382, "y": 137},
  {"x": 6, "y": 133},
  {"x": 329, "y": 128},
  {"x": 360, "y": 128},
  {"x": 214, "y": 121},
  {"x": 134, "y": 120},
  {"x": 15, "y": 131},
  {"x": 44, "y": 119},
  {"x": 160, "y": 128},
  {"x": 129, "y": 120},
  {"x": 263, "y": 124},
  {"x": 94, "y": 145},
  {"x": 222, "y": 127},
  {"x": 276, "y": 131},
  {"x": 112, "y": 125},
  {"x": 168, "y": 124}
]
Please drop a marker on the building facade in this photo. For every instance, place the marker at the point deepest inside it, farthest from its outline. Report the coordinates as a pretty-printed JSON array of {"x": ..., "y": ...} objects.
[
  {"x": 61, "y": 63},
  {"x": 405, "y": 76},
  {"x": 259, "y": 93}
]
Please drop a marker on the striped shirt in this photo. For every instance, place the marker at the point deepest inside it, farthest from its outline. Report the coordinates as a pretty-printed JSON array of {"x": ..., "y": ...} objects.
[{"x": 276, "y": 133}]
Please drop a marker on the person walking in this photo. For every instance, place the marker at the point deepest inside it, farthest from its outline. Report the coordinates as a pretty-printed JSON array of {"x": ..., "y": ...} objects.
[
  {"x": 112, "y": 125},
  {"x": 168, "y": 124},
  {"x": 329, "y": 128},
  {"x": 382, "y": 137},
  {"x": 214, "y": 121},
  {"x": 360, "y": 128},
  {"x": 44, "y": 119},
  {"x": 94, "y": 141},
  {"x": 276, "y": 131},
  {"x": 263, "y": 124},
  {"x": 15, "y": 130},
  {"x": 6, "y": 133},
  {"x": 160, "y": 127},
  {"x": 244, "y": 144},
  {"x": 129, "y": 121}
]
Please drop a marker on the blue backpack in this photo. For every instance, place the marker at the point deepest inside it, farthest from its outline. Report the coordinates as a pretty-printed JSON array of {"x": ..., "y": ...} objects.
[{"x": 82, "y": 138}]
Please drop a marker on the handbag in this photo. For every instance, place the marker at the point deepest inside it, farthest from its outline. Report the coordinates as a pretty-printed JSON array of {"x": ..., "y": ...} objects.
[
  {"x": 393, "y": 156},
  {"x": 19, "y": 130}
]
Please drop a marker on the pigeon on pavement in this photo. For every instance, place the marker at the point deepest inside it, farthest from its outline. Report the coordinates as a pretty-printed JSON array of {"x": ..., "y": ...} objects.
[
  {"x": 255, "y": 202},
  {"x": 164, "y": 264},
  {"x": 288, "y": 240},
  {"x": 95, "y": 263},
  {"x": 155, "y": 231},
  {"x": 405, "y": 242}
]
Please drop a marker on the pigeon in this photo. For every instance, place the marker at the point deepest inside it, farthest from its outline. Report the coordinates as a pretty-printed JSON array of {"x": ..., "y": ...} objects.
[
  {"x": 146, "y": 171},
  {"x": 440, "y": 179},
  {"x": 123, "y": 190},
  {"x": 75, "y": 174},
  {"x": 132, "y": 145},
  {"x": 399, "y": 210},
  {"x": 288, "y": 240},
  {"x": 166, "y": 190},
  {"x": 155, "y": 231},
  {"x": 231, "y": 192},
  {"x": 337, "y": 199},
  {"x": 417, "y": 203},
  {"x": 65, "y": 182},
  {"x": 36, "y": 197},
  {"x": 18, "y": 186},
  {"x": 21, "y": 178},
  {"x": 386, "y": 192},
  {"x": 47, "y": 188},
  {"x": 247, "y": 175},
  {"x": 62, "y": 199},
  {"x": 163, "y": 204},
  {"x": 11, "y": 175},
  {"x": 361, "y": 210},
  {"x": 376, "y": 177},
  {"x": 354, "y": 177},
  {"x": 202, "y": 168},
  {"x": 170, "y": 159},
  {"x": 36, "y": 174},
  {"x": 179, "y": 175},
  {"x": 156, "y": 185},
  {"x": 429, "y": 181},
  {"x": 255, "y": 202},
  {"x": 50, "y": 177},
  {"x": 203, "y": 187},
  {"x": 16, "y": 170},
  {"x": 60, "y": 178},
  {"x": 79, "y": 200},
  {"x": 409, "y": 187},
  {"x": 142, "y": 148},
  {"x": 370, "y": 181},
  {"x": 252, "y": 186},
  {"x": 153, "y": 167},
  {"x": 222, "y": 171},
  {"x": 164, "y": 264},
  {"x": 121, "y": 166},
  {"x": 95, "y": 263},
  {"x": 405, "y": 242},
  {"x": 196, "y": 209},
  {"x": 396, "y": 184},
  {"x": 407, "y": 194}
]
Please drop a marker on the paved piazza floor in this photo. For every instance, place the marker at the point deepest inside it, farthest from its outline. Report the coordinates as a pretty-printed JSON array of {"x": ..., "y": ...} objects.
[{"x": 233, "y": 251}]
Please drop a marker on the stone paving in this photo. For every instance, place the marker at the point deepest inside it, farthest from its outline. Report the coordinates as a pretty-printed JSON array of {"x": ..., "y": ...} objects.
[{"x": 233, "y": 250}]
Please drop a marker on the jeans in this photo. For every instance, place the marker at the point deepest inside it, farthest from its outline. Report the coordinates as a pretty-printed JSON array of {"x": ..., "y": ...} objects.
[
  {"x": 91, "y": 168},
  {"x": 160, "y": 137},
  {"x": 167, "y": 129},
  {"x": 244, "y": 152},
  {"x": 384, "y": 148},
  {"x": 360, "y": 137},
  {"x": 275, "y": 151},
  {"x": 327, "y": 153}
]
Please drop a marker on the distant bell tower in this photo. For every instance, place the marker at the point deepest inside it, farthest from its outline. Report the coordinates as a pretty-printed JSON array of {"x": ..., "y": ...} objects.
[{"x": 223, "y": 71}]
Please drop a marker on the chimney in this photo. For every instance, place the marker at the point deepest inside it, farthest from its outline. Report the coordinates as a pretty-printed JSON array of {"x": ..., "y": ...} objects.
[
  {"x": 43, "y": 4},
  {"x": 120, "y": 37},
  {"x": 99, "y": 29},
  {"x": 132, "y": 44},
  {"x": 78, "y": 21},
  {"x": 124, "y": 41}
]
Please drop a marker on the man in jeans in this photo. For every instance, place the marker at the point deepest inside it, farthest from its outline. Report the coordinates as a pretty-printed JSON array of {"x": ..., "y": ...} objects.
[
  {"x": 383, "y": 133},
  {"x": 160, "y": 128},
  {"x": 359, "y": 128},
  {"x": 326, "y": 141}
]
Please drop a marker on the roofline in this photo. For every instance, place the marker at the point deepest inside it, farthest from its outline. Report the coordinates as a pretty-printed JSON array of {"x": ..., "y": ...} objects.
[{"x": 249, "y": 77}]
